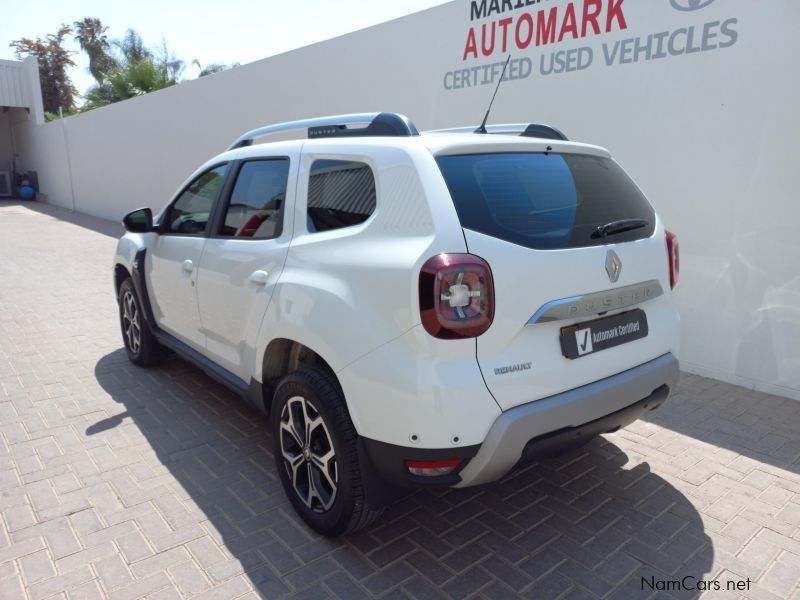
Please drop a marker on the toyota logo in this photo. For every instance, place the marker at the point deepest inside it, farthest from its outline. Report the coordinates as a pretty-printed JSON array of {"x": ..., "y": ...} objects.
[{"x": 688, "y": 5}]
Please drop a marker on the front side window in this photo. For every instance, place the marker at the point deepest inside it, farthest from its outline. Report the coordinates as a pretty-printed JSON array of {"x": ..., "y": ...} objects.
[
  {"x": 189, "y": 214},
  {"x": 341, "y": 193},
  {"x": 255, "y": 210}
]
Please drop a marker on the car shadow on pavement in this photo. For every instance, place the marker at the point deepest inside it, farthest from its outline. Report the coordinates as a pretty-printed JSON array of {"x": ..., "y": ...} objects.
[{"x": 584, "y": 523}]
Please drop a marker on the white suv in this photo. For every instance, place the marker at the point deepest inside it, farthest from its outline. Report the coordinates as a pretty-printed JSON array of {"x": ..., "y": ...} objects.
[{"x": 411, "y": 309}]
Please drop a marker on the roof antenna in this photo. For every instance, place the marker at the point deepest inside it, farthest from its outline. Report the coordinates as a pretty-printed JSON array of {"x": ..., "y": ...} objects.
[{"x": 482, "y": 128}]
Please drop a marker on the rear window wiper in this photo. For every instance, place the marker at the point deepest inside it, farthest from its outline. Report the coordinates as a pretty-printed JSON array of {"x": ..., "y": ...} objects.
[{"x": 614, "y": 227}]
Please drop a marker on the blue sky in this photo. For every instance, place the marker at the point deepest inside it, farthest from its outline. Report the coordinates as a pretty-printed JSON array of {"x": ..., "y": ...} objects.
[{"x": 221, "y": 31}]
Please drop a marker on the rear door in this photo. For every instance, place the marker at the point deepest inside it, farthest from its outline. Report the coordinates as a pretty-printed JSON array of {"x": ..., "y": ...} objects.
[
  {"x": 243, "y": 259},
  {"x": 534, "y": 218}
]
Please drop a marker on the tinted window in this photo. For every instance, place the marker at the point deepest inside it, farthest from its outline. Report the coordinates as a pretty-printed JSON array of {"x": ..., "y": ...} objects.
[
  {"x": 340, "y": 194},
  {"x": 190, "y": 212},
  {"x": 256, "y": 206},
  {"x": 544, "y": 201}
]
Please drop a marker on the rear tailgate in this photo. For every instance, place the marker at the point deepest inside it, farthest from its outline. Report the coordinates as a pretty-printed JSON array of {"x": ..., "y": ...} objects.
[
  {"x": 533, "y": 218},
  {"x": 523, "y": 362}
]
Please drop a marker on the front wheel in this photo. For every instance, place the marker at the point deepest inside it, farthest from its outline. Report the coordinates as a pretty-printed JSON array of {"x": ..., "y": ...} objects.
[
  {"x": 141, "y": 345},
  {"x": 316, "y": 454}
]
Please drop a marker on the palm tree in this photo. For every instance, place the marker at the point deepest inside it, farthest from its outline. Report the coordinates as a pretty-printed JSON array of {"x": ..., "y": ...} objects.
[
  {"x": 91, "y": 35},
  {"x": 132, "y": 47},
  {"x": 168, "y": 64},
  {"x": 212, "y": 68},
  {"x": 128, "y": 80}
]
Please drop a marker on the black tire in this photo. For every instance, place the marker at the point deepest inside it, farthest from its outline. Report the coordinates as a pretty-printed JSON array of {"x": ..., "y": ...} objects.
[
  {"x": 140, "y": 344},
  {"x": 346, "y": 509}
]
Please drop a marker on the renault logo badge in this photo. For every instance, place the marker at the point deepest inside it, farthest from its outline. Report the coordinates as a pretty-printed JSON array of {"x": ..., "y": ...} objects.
[{"x": 613, "y": 266}]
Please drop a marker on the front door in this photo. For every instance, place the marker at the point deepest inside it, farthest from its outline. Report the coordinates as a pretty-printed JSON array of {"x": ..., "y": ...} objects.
[
  {"x": 242, "y": 261},
  {"x": 171, "y": 265}
]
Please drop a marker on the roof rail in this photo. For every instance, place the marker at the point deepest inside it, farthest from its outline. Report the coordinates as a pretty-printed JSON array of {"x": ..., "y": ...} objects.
[
  {"x": 536, "y": 130},
  {"x": 378, "y": 124}
]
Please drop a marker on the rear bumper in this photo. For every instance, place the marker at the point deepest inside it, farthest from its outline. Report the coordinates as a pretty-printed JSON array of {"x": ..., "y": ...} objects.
[
  {"x": 554, "y": 444},
  {"x": 552, "y": 425},
  {"x": 538, "y": 429}
]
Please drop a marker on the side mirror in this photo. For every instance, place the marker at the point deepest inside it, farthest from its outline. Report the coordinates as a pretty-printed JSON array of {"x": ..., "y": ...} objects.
[{"x": 139, "y": 221}]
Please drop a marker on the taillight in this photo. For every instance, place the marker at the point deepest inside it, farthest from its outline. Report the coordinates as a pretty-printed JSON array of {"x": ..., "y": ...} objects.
[
  {"x": 674, "y": 257},
  {"x": 432, "y": 468},
  {"x": 456, "y": 296}
]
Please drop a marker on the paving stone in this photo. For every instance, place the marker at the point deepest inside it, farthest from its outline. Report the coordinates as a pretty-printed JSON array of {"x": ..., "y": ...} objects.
[
  {"x": 143, "y": 587},
  {"x": 19, "y": 517},
  {"x": 230, "y": 589},
  {"x": 160, "y": 561},
  {"x": 467, "y": 583},
  {"x": 205, "y": 551},
  {"x": 113, "y": 572},
  {"x": 22, "y": 548},
  {"x": 54, "y": 585},
  {"x": 37, "y": 566},
  {"x": 134, "y": 547},
  {"x": 343, "y": 586},
  {"x": 90, "y": 590},
  {"x": 189, "y": 578}
]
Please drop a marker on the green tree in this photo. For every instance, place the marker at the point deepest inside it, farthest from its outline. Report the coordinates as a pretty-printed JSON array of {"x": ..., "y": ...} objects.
[
  {"x": 53, "y": 58},
  {"x": 132, "y": 47},
  {"x": 212, "y": 68},
  {"x": 137, "y": 71},
  {"x": 167, "y": 63},
  {"x": 91, "y": 35}
]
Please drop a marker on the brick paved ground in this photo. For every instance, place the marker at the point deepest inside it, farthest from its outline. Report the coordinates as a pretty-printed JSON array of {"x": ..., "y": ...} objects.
[{"x": 126, "y": 483}]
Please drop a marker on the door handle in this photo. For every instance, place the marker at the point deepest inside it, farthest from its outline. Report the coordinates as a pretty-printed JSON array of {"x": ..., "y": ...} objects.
[
  {"x": 187, "y": 266},
  {"x": 259, "y": 278}
]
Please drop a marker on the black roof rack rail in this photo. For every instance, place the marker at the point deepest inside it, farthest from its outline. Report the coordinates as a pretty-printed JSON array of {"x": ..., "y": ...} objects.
[
  {"x": 377, "y": 124},
  {"x": 535, "y": 130}
]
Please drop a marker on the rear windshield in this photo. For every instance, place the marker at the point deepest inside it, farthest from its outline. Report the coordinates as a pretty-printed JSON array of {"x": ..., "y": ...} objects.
[{"x": 544, "y": 201}]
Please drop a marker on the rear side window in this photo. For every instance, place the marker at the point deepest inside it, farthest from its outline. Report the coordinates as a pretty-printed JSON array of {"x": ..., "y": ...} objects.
[
  {"x": 255, "y": 210},
  {"x": 544, "y": 201},
  {"x": 340, "y": 194}
]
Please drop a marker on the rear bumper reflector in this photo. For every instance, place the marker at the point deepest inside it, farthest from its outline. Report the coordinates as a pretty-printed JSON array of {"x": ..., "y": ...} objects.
[{"x": 432, "y": 468}]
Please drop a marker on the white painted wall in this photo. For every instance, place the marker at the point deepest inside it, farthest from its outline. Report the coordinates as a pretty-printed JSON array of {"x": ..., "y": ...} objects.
[{"x": 710, "y": 137}]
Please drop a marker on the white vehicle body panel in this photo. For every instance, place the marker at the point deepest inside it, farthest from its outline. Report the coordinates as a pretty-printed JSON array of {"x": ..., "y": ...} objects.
[
  {"x": 525, "y": 279},
  {"x": 345, "y": 292},
  {"x": 417, "y": 385},
  {"x": 173, "y": 288},
  {"x": 232, "y": 303}
]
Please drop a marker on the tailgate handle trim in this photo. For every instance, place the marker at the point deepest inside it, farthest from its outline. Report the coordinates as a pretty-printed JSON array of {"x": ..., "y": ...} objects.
[{"x": 595, "y": 303}]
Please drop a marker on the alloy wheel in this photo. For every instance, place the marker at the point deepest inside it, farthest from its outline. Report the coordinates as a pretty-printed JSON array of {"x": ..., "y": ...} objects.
[
  {"x": 130, "y": 322},
  {"x": 308, "y": 454}
]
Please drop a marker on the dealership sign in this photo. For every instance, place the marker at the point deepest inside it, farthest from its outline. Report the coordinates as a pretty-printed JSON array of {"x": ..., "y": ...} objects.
[{"x": 537, "y": 33}]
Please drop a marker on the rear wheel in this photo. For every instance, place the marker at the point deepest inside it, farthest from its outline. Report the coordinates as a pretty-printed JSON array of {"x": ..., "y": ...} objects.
[
  {"x": 140, "y": 344},
  {"x": 316, "y": 454}
]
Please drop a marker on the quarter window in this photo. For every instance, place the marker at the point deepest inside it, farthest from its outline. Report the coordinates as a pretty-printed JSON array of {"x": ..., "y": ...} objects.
[
  {"x": 190, "y": 212},
  {"x": 340, "y": 194},
  {"x": 255, "y": 210}
]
